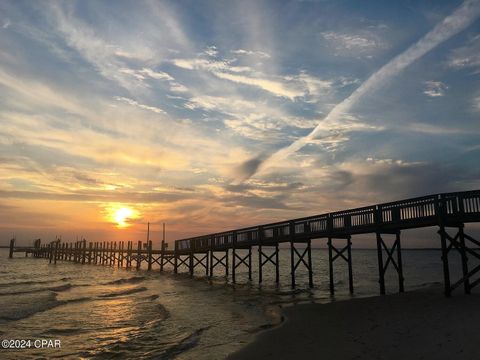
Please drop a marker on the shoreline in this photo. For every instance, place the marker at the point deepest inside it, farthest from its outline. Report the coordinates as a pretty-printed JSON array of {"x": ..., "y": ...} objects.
[{"x": 421, "y": 324}]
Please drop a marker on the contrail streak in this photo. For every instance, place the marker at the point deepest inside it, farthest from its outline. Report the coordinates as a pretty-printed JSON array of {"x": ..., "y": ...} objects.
[{"x": 451, "y": 25}]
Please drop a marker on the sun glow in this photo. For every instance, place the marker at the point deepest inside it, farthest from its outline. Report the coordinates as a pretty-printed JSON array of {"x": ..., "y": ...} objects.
[{"x": 122, "y": 216}]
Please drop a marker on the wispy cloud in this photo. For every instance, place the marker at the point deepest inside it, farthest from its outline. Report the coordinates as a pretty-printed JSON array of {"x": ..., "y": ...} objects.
[
  {"x": 260, "y": 54},
  {"x": 6, "y": 23},
  {"x": 435, "y": 88},
  {"x": 466, "y": 57},
  {"x": 451, "y": 25},
  {"x": 361, "y": 44},
  {"x": 141, "y": 106}
]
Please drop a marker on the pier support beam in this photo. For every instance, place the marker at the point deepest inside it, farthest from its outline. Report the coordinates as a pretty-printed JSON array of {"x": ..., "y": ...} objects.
[
  {"x": 179, "y": 262},
  {"x": 264, "y": 258},
  {"x": 297, "y": 257},
  {"x": 340, "y": 254},
  {"x": 139, "y": 255},
  {"x": 84, "y": 249},
  {"x": 201, "y": 260},
  {"x": 216, "y": 261},
  {"x": 150, "y": 260},
  {"x": 245, "y": 260},
  {"x": 397, "y": 264},
  {"x": 12, "y": 246},
  {"x": 459, "y": 243},
  {"x": 166, "y": 258},
  {"x": 128, "y": 261}
]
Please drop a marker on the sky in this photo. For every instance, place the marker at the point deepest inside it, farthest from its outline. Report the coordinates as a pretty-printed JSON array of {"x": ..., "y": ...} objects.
[{"x": 115, "y": 114}]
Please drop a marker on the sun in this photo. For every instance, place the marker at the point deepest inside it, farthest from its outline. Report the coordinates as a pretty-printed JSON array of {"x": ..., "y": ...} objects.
[{"x": 122, "y": 216}]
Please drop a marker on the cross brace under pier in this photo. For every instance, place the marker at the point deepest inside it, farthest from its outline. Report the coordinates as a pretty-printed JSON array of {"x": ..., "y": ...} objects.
[
  {"x": 245, "y": 260},
  {"x": 340, "y": 254},
  {"x": 264, "y": 259},
  {"x": 301, "y": 256},
  {"x": 215, "y": 261},
  {"x": 461, "y": 242},
  {"x": 382, "y": 248}
]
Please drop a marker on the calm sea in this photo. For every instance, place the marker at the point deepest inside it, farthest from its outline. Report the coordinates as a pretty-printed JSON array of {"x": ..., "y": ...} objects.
[{"x": 101, "y": 312}]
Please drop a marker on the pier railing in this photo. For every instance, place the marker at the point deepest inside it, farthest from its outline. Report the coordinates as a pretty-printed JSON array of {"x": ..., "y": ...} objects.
[{"x": 398, "y": 215}]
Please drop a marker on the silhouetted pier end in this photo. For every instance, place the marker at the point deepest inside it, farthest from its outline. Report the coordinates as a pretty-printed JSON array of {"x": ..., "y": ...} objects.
[{"x": 449, "y": 212}]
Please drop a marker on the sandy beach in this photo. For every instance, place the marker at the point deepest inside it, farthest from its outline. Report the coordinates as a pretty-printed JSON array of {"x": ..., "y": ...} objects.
[{"x": 414, "y": 325}]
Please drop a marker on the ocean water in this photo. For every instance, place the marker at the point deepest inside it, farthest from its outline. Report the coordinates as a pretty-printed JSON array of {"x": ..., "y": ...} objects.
[{"x": 101, "y": 312}]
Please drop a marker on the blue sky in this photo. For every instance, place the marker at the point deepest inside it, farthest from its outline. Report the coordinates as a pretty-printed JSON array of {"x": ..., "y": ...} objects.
[{"x": 162, "y": 105}]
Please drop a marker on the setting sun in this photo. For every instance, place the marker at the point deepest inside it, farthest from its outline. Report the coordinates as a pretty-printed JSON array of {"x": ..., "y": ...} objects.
[{"x": 122, "y": 216}]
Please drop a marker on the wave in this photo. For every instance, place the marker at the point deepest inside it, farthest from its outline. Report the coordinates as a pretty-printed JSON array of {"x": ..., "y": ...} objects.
[
  {"x": 152, "y": 297},
  {"x": 32, "y": 291},
  {"x": 184, "y": 344},
  {"x": 64, "y": 331},
  {"x": 32, "y": 282},
  {"x": 123, "y": 292},
  {"x": 131, "y": 280},
  {"x": 27, "y": 306}
]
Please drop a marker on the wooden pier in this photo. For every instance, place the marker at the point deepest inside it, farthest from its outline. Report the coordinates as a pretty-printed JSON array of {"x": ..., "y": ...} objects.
[{"x": 449, "y": 212}]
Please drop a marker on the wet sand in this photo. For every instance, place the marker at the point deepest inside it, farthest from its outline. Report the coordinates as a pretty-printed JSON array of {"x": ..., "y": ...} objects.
[{"x": 414, "y": 325}]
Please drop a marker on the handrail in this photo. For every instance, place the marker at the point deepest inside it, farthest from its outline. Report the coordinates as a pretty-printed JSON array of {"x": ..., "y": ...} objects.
[{"x": 384, "y": 214}]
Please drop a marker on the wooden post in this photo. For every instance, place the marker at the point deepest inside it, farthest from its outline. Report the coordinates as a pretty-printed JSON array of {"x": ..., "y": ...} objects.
[
  {"x": 292, "y": 255},
  {"x": 97, "y": 253},
  {"x": 139, "y": 255},
  {"x": 120, "y": 255},
  {"x": 162, "y": 255},
  {"x": 207, "y": 260},
  {"x": 330, "y": 265},
  {"x": 175, "y": 259},
  {"x": 234, "y": 243},
  {"x": 149, "y": 255},
  {"x": 261, "y": 234},
  {"x": 226, "y": 263},
  {"x": 400, "y": 266},
  {"x": 310, "y": 267},
  {"x": 466, "y": 281},
  {"x": 90, "y": 252},
  {"x": 190, "y": 259},
  {"x": 292, "y": 263},
  {"x": 260, "y": 267},
  {"x": 250, "y": 263},
  {"x": 129, "y": 254},
  {"x": 163, "y": 248},
  {"x": 446, "y": 268},
  {"x": 107, "y": 253},
  {"x": 114, "y": 254},
  {"x": 12, "y": 245},
  {"x": 350, "y": 267},
  {"x": 56, "y": 251},
  {"x": 277, "y": 265},
  {"x": 84, "y": 250},
  {"x": 211, "y": 263},
  {"x": 380, "y": 264}
]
